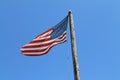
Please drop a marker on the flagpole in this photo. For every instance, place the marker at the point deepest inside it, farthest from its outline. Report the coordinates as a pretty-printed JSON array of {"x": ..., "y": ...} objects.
[{"x": 73, "y": 47}]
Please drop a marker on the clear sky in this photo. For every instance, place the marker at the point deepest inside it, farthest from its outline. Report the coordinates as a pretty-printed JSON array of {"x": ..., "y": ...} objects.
[{"x": 97, "y": 27}]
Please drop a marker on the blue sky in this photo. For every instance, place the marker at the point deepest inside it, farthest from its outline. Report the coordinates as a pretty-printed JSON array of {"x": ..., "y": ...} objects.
[{"x": 97, "y": 27}]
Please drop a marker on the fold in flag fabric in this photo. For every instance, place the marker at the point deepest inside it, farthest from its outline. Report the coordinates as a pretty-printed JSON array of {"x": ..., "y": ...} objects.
[{"x": 45, "y": 41}]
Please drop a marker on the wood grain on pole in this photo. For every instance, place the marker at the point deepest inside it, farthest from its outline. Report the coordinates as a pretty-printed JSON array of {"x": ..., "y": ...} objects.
[{"x": 74, "y": 48}]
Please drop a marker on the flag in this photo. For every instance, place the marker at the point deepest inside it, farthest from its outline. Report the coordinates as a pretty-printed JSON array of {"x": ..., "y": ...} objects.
[{"x": 45, "y": 41}]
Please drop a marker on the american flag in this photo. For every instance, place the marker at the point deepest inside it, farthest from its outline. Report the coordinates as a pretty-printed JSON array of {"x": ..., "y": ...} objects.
[{"x": 45, "y": 41}]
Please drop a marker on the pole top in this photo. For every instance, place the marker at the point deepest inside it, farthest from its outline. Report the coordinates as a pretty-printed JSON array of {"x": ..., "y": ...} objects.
[{"x": 70, "y": 11}]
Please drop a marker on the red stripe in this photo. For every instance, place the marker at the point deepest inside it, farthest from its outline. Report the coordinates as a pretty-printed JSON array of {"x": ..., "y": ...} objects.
[
  {"x": 45, "y": 32},
  {"x": 33, "y": 54},
  {"x": 42, "y": 45},
  {"x": 46, "y": 39},
  {"x": 35, "y": 46},
  {"x": 33, "y": 50},
  {"x": 42, "y": 53},
  {"x": 43, "y": 40}
]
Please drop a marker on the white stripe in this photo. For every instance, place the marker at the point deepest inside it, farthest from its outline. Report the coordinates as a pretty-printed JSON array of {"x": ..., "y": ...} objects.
[
  {"x": 46, "y": 42},
  {"x": 40, "y": 48},
  {"x": 61, "y": 38},
  {"x": 46, "y": 33},
  {"x": 41, "y": 38},
  {"x": 40, "y": 43},
  {"x": 45, "y": 50}
]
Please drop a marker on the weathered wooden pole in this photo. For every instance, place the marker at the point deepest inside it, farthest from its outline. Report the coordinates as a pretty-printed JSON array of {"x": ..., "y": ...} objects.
[{"x": 73, "y": 47}]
